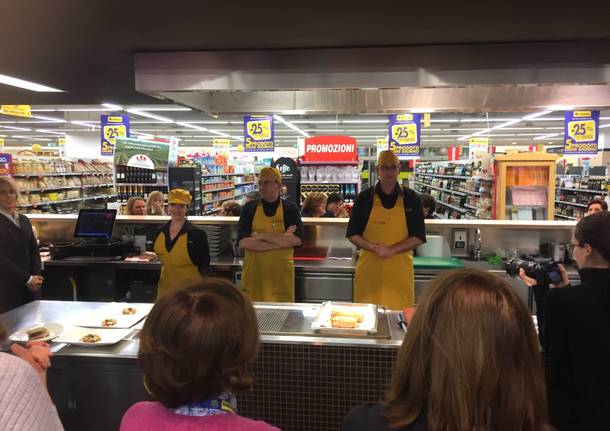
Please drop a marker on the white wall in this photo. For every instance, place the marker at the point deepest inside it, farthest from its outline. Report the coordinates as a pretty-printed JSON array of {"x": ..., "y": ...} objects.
[{"x": 85, "y": 145}]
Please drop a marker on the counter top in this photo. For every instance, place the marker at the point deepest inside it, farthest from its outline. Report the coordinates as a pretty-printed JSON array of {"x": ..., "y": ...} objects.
[{"x": 63, "y": 312}]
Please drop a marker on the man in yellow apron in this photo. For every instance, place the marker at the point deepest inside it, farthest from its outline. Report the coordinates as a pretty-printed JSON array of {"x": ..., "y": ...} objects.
[
  {"x": 269, "y": 229},
  {"x": 181, "y": 247},
  {"x": 387, "y": 223}
]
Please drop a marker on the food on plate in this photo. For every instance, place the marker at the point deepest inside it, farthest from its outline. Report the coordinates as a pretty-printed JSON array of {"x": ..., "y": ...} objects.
[
  {"x": 341, "y": 321},
  {"x": 344, "y": 313},
  {"x": 37, "y": 333},
  {"x": 91, "y": 338},
  {"x": 108, "y": 322},
  {"x": 129, "y": 310}
]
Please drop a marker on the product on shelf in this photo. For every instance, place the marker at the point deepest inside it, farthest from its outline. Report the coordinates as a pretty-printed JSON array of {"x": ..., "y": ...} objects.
[
  {"x": 338, "y": 178},
  {"x": 574, "y": 192}
]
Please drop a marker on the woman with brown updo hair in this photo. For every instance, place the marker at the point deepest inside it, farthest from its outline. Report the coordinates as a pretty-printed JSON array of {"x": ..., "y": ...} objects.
[
  {"x": 314, "y": 205},
  {"x": 470, "y": 362},
  {"x": 195, "y": 349}
]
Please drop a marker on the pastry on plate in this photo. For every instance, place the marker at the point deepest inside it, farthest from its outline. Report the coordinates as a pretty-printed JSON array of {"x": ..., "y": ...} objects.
[
  {"x": 341, "y": 321},
  {"x": 345, "y": 313},
  {"x": 91, "y": 338},
  {"x": 37, "y": 333},
  {"x": 129, "y": 310},
  {"x": 108, "y": 322}
]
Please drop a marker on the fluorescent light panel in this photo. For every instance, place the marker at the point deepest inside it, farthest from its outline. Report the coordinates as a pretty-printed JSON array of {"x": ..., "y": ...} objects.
[
  {"x": 292, "y": 126},
  {"x": 27, "y": 85}
]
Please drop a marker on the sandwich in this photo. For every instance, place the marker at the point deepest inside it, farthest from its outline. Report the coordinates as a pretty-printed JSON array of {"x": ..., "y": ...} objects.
[
  {"x": 37, "y": 333},
  {"x": 341, "y": 321},
  {"x": 108, "y": 322},
  {"x": 91, "y": 338},
  {"x": 129, "y": 310},
  {"x": 344, "y": 313}
]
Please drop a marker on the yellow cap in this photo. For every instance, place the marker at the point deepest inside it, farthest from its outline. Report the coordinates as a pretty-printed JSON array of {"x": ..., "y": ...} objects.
[
  {"x": 387, "y": 158},
  {"x": 179, "y": 196},
  {"x": 270, "y": 174}
]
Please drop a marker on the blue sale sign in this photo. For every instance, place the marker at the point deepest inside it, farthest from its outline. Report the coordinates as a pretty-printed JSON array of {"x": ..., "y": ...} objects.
[
  {"x": 112, "y": 127},
  {"x": 403, "y": 135},
  {"x": 258, "y": 133},
  {"x": 581, "y": 132}
]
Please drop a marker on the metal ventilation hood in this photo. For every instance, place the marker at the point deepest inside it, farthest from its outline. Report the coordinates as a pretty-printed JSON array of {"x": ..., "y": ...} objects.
[{"x": 481, "y": 78}]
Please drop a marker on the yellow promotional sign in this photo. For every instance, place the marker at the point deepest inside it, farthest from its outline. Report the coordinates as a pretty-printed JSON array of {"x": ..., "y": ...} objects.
[
  {"x": 404, "y": 133},
  {"x": 259, "y": 130},
  {"x": 404, "y": 117},
  {"x": 61, "y": 141},
  {"x": 427, "y": 119},
  {"x": 478, "y": 141},
  {"x": 1, "y": 142},
  {"x": 581, "y": 114},
  {"x": 240, "y": 148},
  {"x": 582, "y": 131},
  {"x": 16, "y": 110},
  {"x": 36, "y": 148}
]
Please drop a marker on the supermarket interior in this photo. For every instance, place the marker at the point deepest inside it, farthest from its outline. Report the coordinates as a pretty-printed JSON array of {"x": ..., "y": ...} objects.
[{"x": 267, "y": 162}]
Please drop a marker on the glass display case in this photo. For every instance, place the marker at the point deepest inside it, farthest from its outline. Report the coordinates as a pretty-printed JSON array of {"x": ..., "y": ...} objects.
[{"x": 525, "y": 186}]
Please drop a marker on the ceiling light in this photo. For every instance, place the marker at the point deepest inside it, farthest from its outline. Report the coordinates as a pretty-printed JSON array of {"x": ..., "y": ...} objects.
[
  {"x": 50, "y": 131},
  {"x": 85, "y": 123},
  {"x": 192, "y": 126},
  {"x": 292, "y": 126},
  {"x": 604, "y": 126},
  {"x": 216, "y": 132},
  {"x": 53, "y": 119},
  {"x": 16, "y": 128},
  {"x": 149, "y": 115},
  {"x": 112, "y": 107},
  {"x": 28, "y": 85},
  {"x": 485, "y": 120},
  {"x": 162, "y": 108},
  {"x": 81, "y": 109},
  {"x": 44, "y": 110},
  {"x": 549, "y": 135},
  {"x": 363, "y": 121},
  {"x": 315, "y": 122}
]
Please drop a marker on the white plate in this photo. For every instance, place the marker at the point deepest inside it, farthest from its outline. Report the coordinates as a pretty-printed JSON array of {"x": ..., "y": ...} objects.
[
  {"x": 113, "y": 310},
  {"x": 73, "y": 335},
  {"x": 55, "y": 330}
]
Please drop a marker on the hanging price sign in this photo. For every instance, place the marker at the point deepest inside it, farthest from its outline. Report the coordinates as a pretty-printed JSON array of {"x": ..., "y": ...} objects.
[
  {"x": 112, "y": 127},
  {"x": 258, "y": 133},
  {"x": 581, "y": 132},
  {"x": 403, "y": 131}
]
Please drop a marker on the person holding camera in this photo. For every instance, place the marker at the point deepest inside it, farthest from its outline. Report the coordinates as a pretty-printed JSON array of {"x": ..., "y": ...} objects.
[{"x": 575, "y": 331}]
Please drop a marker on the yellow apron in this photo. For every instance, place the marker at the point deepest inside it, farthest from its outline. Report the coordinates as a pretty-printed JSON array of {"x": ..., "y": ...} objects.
[
  {"x": 268, "y": 276},
  {"x": 391, "y": 281},
  {"x": 177, "y": 268}
]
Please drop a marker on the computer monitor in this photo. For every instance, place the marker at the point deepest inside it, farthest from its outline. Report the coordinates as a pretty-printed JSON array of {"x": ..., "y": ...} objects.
[{"x": 95, "y": 224}]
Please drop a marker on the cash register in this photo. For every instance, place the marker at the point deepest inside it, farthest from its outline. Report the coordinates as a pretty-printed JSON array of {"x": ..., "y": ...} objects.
[{"x": 93, "y": 232}]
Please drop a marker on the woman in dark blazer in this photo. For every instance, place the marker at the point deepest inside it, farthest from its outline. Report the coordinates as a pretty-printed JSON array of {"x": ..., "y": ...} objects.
[
  {"x": 576, "y": 328},
  {"x": 19, "y": 257}
]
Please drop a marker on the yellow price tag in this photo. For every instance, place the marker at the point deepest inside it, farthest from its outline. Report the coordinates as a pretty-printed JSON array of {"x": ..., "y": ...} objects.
[
  {"x": 404, "y": 133},
  {"x": 259, "y": 129},
  {"x": 113, "y": 132},
  {"x": 17, "y": 110},
  {"x": 582, "y": 131}
]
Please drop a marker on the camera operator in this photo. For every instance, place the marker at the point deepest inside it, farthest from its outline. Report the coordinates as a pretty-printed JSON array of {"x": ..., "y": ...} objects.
[{"x": 576, "y": 329}]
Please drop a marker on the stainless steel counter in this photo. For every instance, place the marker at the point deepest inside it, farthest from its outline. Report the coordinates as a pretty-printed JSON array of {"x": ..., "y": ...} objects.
[{"x": 295, "y": 327}]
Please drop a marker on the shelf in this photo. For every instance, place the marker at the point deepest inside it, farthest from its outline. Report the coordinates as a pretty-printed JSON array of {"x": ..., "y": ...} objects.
[
  {"x": 329, "y": 182},
  {"x": 455, "y": 177},
  {"x": 87, "y": 198},
  {"x": 574, "y": 204},
  {"x": 218, "y": 200},
  {"x": 462, "y": 210},
  {"x": 470, "y": 192},
  {"x": 216, "y": 190},
  {"x": 141, "y": 184},
  {"x": 596, "y": 192},
  {"x": 244, "y": 184},
  {"x": 215, "y": 210},
  {"x": 565, "y": 216},
  {"x": 441, "y": 189},
  {"x": 44, "y": 189},
  {"x": 224, "y": 175},
  {"x": 328, "y": 163},
  {"x": 64, "y": 174},
  {"x": 471, "y": 207}
]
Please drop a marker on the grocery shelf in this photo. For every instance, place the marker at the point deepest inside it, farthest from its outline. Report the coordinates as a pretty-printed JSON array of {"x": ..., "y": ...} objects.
[
  {"x": 571, "y": 203},
  {"x": 455, "y": 177},
  {"x": 225, "y": 175},
  {"x": 216, "y": 190},
  {"x": 60, "y": 174},
  {"x": 44, "y": 189},
  {"x": 140, "y": 185},
  {"x": 63, "y": 201},
  {"x": 244, "y": 184},
  {"x": 219, "y": 200},
  {"x": 212, "y": 211},
  {"x": 470, "y": 192},
  {"x": 471, "y": 207},
  {"x": 565, "y": 216},
  {"x": 441, "y": 189},
  {"x": 462, "y": 210},
  {"x": 596, "y": 192}
]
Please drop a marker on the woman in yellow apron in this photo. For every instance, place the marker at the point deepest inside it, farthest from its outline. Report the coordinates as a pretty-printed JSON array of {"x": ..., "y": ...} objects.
[
  {"x": 269, "y": 229},
  {"x": 181, "y": 247},
  {"x": 387, "y": 223}
]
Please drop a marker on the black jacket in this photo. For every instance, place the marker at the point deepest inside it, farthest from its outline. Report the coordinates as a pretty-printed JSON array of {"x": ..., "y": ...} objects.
[
  {"x": 577, "y": 341},
  {"x": 368, "y": 417},
  {"x": 19, "y": 259},
  {"x": 197, "y": 244}
]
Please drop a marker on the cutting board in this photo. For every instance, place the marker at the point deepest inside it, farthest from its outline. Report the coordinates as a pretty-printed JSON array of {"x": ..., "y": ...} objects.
[{"x": 420, "y": 262}]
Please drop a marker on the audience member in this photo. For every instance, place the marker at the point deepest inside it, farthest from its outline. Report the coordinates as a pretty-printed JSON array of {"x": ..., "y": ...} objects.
[
  {"x": 596, "y": 206},
  {"x": 314, "y": 205},
  {"x": 470, "y": 361},
  {"x": 334, "y": 206},
  {"x": 231, "y": 208},
  {"x": 136, "y": 205},
  {"x": 155, "y": 204},
  {"x": 428, "y": 204},
  {"x": 195, "y": 349}
]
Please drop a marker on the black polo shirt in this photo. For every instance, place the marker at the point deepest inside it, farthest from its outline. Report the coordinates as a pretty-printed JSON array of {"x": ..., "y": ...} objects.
[
  {"x": 363, "y": 206},
  {"x": 291, "y": 216}
]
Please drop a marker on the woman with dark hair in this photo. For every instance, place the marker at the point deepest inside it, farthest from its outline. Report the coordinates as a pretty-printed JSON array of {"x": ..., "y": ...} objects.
[
  {"x": 596, "y": 206},
  {"x": 470, "y": 361},
  {"x": 428, "y": 204},
  {"x": 195, "y": 349},
  {"x": 575, "y": 328}
]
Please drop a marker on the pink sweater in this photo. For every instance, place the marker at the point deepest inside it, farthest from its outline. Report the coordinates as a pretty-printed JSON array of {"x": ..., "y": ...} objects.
[{"x": 152, "y": 416}]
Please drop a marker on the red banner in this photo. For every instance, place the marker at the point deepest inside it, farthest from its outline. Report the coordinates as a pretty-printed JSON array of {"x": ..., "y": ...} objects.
[
  {"x": 330, "y": 149},
  {"x": 453, "y": 153}
]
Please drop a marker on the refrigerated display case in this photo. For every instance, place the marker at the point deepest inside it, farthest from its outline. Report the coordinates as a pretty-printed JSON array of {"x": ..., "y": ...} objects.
[{"x": 525, "y": 186}]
